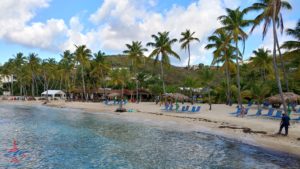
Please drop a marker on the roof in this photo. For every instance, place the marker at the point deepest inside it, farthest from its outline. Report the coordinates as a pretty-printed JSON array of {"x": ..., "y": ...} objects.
[{"x": 53, "y": 92}]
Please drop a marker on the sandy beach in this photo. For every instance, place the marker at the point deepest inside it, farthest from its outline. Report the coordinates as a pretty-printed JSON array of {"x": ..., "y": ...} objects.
[{"x": 258, "y": 131}]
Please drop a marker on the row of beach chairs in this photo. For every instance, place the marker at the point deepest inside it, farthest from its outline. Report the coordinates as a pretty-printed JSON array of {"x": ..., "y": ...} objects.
[
  {"x": 270, "y": 113},
  {"x": 170, "y": 108},
  {"x": 114, "y": 102}
]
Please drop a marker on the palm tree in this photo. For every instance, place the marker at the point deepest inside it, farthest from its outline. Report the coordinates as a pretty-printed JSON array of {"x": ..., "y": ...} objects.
[
  {"x": 263, "y": 61},
  {"x": 33, "y": 63},
  {"x": 234, "y": 23},
  {"x": 270, "y": 13},
  {"x": 187, "y": 38},
  {"x": 67, "y": 64},
  {"x": 293, "y": 47},
  {"x": 162, "y": 49},
  {"x": 83, "y": 55},
  {"x": 19, "y": 62},
  {"x": 100, "y": 68},
  {"x": 135, "y": 52},
  {"x": 223, "y": 53},
  {"x": 120, "y": 77}
]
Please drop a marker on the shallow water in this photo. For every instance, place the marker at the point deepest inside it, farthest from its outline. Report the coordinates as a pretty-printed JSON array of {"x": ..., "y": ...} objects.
[{"x": 61, "y": 138}]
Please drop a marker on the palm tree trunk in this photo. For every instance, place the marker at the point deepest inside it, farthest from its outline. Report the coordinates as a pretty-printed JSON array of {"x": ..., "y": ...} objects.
[
  {"x": 238, "y": 75},
  {"x": 32, "y": 85},
  {"x": 274, "y": 61},
  {"x": 83, "y": 83},
  {"x": 162, "y": 76},
  {"x": 189, "y": 56},
  {"x": 282, "y": 65},
  {"x": 137, "y": 91},
  {"x": 209, "y": 100},
  {"x": 12, "y": 85},
  {"x": 228, "y": 82}
]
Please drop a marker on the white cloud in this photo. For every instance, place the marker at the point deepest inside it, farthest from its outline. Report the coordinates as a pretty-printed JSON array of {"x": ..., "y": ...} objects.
[
  {"x": 121, "y": 23},
  {"x": 15, "y": 17},
  {"x": 115, "y": 24}
]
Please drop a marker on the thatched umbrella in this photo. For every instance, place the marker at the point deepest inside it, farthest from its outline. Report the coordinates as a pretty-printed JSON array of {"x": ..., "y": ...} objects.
[
  {"x": 114, "y": 95},
  {"x": 176, "y": 96},
  {"x": 288, "y": 97}
]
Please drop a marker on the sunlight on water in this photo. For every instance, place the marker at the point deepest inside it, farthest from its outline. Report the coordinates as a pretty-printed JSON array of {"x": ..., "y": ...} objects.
[{"x": 61, "y": 138}]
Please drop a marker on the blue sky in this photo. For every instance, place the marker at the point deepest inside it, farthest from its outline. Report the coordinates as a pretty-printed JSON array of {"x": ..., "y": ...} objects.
[{"x": 48, "y": 27}]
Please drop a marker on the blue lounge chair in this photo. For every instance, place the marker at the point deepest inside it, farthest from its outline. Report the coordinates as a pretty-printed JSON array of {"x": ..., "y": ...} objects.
[
  {"x": 270, "y": 112},
  {"x": 238, "y": 111},
  {"x": 187, "y": 109},
  {"x": 182, "y": 108},
  {"x": 193, "y": 109},
  {"x": 258, "y": 113},
  {"x": 197, "y": 109},
  {"x": 170, "y": 108},
  {"x": 278, "y": 114},
  {"x": 298, "y": 111},
  {"x": 166, "y": 107}
]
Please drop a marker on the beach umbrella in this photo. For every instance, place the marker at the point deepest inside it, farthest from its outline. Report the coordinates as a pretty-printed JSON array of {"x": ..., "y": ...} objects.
[
  {"x": 176, "y": 96},
  {"x": 180, "y": 97},
  {"x": 111, "y": 95},
  {"x": 288, "y": 97}
]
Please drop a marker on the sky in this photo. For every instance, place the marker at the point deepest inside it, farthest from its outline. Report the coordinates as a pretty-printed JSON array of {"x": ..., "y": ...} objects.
[{"x": 48, "y": 27}]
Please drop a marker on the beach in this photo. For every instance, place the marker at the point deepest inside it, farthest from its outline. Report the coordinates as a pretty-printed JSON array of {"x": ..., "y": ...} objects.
[{"x": 257, "y": 131}]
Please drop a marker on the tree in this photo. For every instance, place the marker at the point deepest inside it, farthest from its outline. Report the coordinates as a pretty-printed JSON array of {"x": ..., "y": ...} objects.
[
  {"x": 120, "y": 77},
  {"x": 234, "y": 23},
  {"x": 271, "y": 13},
  {"x": 135, "y": 52},
  {"x": 100, "y": 68},
  {"x": 187, "y": 38},
  {"x": 293, "y": 46},
  {"x": 223, "y": 53},
  {"x": 82, "y": 56},
  {"x": 162, "y": 48},
  {"x": 67, "y": 64},
  {"x": 263, "y": 61},
  {"x": 33, "y": 63},
  {"x": 19, "y": 62}
]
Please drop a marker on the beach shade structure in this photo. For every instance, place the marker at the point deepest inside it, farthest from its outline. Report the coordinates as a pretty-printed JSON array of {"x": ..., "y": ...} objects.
[
  {"x": 176, "y": 96},
  {"x": 288, "y": 97},
  {"x": 112, "y": 95}
]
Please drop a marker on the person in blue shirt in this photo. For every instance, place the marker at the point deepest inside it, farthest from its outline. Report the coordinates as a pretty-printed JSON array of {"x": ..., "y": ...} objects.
[{"x": 285, "y": 122}]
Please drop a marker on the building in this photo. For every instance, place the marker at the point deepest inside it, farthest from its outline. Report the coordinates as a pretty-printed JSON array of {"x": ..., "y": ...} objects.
[{"x": 54, "y": 94}]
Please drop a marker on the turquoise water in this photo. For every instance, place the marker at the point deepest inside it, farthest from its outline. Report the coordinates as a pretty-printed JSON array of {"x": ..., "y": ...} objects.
[{"x": 61, "y": 138}]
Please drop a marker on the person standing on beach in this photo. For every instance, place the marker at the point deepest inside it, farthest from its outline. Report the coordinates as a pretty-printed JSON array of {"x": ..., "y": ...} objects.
[{"x": 285, "y": 122}]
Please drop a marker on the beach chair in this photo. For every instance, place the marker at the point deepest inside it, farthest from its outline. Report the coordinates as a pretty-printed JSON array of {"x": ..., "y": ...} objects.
[
  {"x": 278, "y": 114},
  {"x": 170, "y": 108},
  {"x": 182, "y": 109},
  {"x": 298, "y": 111},
  {"x": 238, "y": 111},
  {"x": 270, "y": 112},
  {"x": 193, "y": 109},
  {"x": 197, "y": 109},
  {"x": 166, "y": 107},
  {"x": 187, "y": 109},
  {"x": 258, "y": 113}
]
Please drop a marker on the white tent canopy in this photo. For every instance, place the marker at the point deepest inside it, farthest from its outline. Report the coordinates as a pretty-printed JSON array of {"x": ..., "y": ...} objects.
[{"x": 54, "y": 94}]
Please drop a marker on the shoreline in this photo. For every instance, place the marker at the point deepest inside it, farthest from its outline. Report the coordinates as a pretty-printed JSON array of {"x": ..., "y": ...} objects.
[{"x": 255, "y": 131}]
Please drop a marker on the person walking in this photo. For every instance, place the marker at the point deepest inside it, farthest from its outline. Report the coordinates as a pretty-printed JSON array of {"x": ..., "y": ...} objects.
[{"x": 285, "y": 122}]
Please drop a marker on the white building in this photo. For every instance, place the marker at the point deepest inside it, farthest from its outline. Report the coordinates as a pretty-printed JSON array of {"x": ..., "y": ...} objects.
[{"x": 54, "y": 94}]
